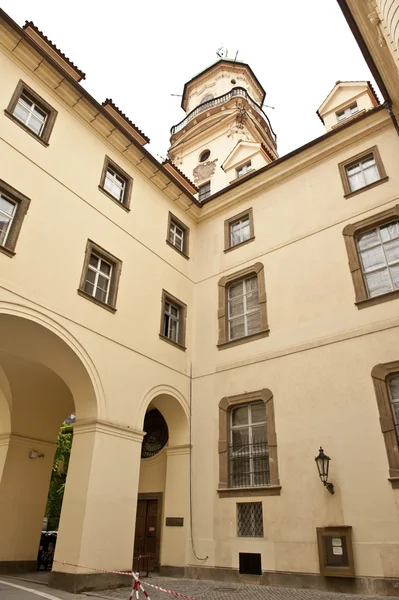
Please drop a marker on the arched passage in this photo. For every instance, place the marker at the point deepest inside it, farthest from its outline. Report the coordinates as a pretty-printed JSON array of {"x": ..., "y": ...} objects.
[
  {"x": 42, "y": 380},
  {"x": 162, "y": 522}
]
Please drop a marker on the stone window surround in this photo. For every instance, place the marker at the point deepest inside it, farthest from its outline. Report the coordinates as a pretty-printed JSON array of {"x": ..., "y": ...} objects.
[
  {"x": 22, "y": 205},
  {"x": 354, "y": 159},
  {"x": 227, "y": 238},
  {"x": 223, "y": 284},
  {"x": 186, "y": 230},
  {"x": 225, "y": 407},
  {"x": 47, "y": 108},
  {"x": 380, "y": 375},
  {"x": 182, "y": 320},
  {"x": 116, "y": 273},
  {"x": 350, "y": 233},
  {"x": 108, "y": 162}
]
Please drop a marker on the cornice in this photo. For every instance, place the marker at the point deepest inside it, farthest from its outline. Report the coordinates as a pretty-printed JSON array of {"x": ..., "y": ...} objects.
[
  {"x": 22, "y": 49},
  {"x": 299, "y": 160}
]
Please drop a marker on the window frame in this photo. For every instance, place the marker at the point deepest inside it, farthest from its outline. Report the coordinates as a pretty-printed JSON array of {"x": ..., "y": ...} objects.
[
  {"x": 186, "y": 235},
  {"x": 116, "y": 263},
  {"x": 380, "y": 375},
  {"x": 22, "y": 203},
  {"x": 166, "y": 297},
  {"x": 225, "y": 407},
  {"x": 223, "y": 285},
  {"x": 350, "y": 233},
  {"x": 23, "y": 88},
  {"x": 343, "y": 111},
  {"x": 227, "y": 230},
  {"x": 348, "y": 193},
  {"x": 199, "y": 190},
  {"x": 109, "y": 163},
  {"x": 246, "y": 164}
]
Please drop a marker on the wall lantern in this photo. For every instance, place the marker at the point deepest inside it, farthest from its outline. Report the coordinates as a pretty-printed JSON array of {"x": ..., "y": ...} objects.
[{"x": 323, "y": 463}]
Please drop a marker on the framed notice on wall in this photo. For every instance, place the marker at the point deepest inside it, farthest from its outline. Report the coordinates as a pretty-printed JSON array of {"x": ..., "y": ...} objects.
[{"x": 335, "y": 551}]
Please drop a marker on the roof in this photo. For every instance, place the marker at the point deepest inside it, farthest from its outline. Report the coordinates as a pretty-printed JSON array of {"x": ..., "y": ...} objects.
[
  {"x": 31, "y": 25},
  {"x": 230, "y": 62},
  {"x": 109, "y": 102},
  {"x": 354, "y": 83},
  {"x": 182, "y": 175}
]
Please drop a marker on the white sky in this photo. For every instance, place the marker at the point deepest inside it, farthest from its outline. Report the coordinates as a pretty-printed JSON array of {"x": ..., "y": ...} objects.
[{"x": 139, "y": 52}]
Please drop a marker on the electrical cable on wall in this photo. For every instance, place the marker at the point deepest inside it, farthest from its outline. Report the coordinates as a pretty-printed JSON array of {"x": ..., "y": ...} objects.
[{"x": 191, "y": 468}]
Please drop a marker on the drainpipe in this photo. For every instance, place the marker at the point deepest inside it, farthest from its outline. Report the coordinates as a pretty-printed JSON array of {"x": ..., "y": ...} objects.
[{"x": 353, "y": 26}]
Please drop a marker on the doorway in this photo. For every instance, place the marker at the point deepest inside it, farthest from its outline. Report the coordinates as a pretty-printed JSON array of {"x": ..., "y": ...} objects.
[{"x": 147, "y": 540}]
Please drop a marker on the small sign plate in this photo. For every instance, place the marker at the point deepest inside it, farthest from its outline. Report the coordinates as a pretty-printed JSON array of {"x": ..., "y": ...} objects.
[{"x": 174, "y": 521}]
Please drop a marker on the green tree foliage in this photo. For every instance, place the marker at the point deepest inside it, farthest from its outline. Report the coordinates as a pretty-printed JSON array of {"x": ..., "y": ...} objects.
[{"x": 59, "y": 472}]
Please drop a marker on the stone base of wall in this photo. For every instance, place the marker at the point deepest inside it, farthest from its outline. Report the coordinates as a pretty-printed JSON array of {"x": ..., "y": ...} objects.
[
  {"x": 371, "y": 586},
  {"x": 85, "y": 582},
  {"x": 17, "y": 566}
]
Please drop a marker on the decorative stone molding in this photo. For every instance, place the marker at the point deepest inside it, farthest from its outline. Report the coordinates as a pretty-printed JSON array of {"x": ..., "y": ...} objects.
[
  {"x": 204, "y": 171},
  {"x": 375, "y": 20}
]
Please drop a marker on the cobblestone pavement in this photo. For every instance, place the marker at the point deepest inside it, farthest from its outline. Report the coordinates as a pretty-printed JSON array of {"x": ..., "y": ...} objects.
[{"x": 216, "y": 590}]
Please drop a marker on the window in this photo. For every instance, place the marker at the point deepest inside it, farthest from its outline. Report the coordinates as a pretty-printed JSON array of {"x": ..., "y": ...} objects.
[
  {"x": 249, "y": 519},
  {"x": 100, "y": 276},
  {"x": 347, "y": 112},
  {"x": 386, "y": 385},
  {"x": 373, "y": 251},
  {"x": 115, "y": 183},
  {"x": 243, "y": 169},
  {"x": 13, "y": 208},
  {"x": 248, "y": 445},
  {"x": 362, "y": 172},
  {"x": 204, "y": 155},
  {"x": 238, "y": 230},
  {"x": 242, "y": 307},
  {"x": 248, "y": 453},
  {"x": 204, "y": 191},
  {"x": 173, "y": 320},
  {"x": 177, "y": 235},
  {"x": 31, "y": 112}
]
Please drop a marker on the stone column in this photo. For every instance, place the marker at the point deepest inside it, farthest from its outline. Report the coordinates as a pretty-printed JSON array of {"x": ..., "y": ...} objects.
[
  {"x": 98, "y": 514},
  {"x": 24, "y": 487},
  {"x": 177, "y": 506}
]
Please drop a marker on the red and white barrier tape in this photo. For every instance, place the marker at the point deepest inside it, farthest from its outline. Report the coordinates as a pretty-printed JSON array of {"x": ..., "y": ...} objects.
[{"x": 130, "y": 574}]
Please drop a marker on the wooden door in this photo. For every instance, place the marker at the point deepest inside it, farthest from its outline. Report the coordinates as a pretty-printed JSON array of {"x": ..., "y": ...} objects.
[{"x": 145, "y": 541}]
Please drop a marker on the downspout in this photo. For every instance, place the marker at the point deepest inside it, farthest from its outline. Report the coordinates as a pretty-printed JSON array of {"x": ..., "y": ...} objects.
[{"x": 369, "y": 60}]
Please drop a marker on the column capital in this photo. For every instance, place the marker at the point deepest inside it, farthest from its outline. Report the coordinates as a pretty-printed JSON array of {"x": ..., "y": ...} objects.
[{"x": 108, "y": 428}]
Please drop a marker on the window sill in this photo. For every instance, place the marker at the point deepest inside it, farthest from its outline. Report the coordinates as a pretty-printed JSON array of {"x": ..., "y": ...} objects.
[
  {"x": 25, "y": 128},
  {"x": 111, "y": 197},
  {"x": 377, "y": 299},
  {"x": 175, "y": 344},
  {"x": 394, "y": 482},
  {"x": 96, "y": 301},
  {"x": 366, "y": 187},
  {"x": 7, "y": 251},
  {"x": 269, "y": 490},
  {"x": 243, "y": 340},
  {"x": 183, "y": 254},
  {"x": 251, "y": 239}
]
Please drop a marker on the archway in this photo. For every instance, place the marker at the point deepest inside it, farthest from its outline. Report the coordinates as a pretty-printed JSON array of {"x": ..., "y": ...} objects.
[
  {"x": 42, "y": 380},
  {"x": 163, "y": 507}
]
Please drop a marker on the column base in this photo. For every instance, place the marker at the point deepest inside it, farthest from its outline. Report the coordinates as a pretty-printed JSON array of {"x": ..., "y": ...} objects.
[
  {"x": 17, "y": 566},
  {"x": 85, "y": 582},
  {"x": 372, "y": 586}
]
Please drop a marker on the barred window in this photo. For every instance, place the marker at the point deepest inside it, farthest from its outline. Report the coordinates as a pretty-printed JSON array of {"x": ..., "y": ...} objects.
[
  {"x": 249, "y": 519},
  {"x": 249, "y": 455},
  {"x": 394, "y": 397}
]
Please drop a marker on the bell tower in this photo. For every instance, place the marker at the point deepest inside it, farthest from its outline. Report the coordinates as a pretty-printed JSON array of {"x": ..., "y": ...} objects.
[{"x": 225, "y": 133}]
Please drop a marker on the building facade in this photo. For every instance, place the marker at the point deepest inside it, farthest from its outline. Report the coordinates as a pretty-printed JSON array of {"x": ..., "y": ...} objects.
[{"x": 208, "y": 343}]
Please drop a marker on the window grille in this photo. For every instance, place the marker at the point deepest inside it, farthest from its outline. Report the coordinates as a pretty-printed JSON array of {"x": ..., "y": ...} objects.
[
  {"x": 379, "y": 256},
  {"x": 249, "y": 519},
  {"x": 248, "y": 451}
]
